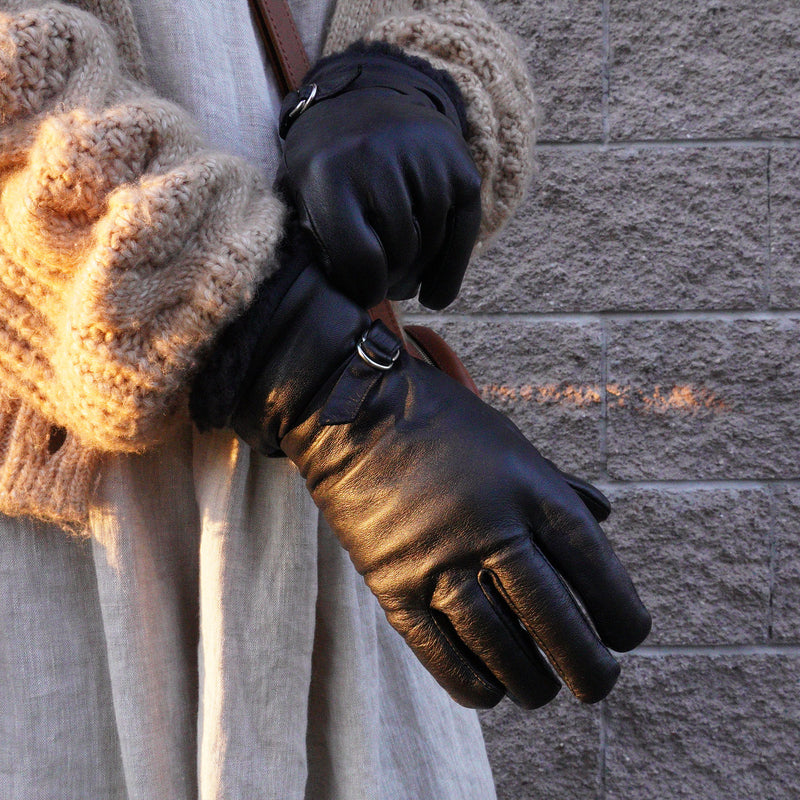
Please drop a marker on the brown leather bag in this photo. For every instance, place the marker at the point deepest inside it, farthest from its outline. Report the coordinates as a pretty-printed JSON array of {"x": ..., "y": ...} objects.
[{"x": 290, "y": 63}]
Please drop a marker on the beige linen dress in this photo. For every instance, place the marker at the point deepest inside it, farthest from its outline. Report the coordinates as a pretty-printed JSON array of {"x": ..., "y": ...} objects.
[{"x": 212, "y": 638}]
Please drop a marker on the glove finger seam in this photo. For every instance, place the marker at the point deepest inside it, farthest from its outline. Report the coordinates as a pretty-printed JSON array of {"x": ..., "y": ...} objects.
[
  {"x": 458, "y": 656},
  {"x": 504, "y": 619},
  {"x": 535, "y": 636}
]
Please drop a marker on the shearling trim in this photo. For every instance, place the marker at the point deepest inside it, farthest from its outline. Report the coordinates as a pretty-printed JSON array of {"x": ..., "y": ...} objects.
[{"x": 392, "y": 52}]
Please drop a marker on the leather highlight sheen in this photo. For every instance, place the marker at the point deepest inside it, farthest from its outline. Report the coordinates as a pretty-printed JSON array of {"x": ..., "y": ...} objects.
[
  {"x": 485, "y": 557},
  {"x": 382, "y": 178}
]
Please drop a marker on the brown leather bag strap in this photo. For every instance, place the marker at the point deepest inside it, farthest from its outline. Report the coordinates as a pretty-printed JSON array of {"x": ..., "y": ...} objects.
[
  {"x": 385, "y": 312},
  {"x": 282, "y": 41}
]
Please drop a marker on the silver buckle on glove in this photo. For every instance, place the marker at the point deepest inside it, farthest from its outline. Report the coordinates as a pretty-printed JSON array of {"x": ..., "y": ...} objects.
[
  {"x": 306, "y": 95},
  {"x": 367, "y": 359}
]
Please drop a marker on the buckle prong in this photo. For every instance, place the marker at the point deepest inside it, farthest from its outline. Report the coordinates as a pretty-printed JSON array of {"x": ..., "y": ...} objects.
[{"x": 381, "y": 365}]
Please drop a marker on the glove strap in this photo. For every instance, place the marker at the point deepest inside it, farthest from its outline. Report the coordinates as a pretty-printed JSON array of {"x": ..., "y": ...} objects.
[{"x": 376, "y": 353}]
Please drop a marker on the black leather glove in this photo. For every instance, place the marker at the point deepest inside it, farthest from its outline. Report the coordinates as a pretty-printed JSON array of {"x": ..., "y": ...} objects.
[
  {"x": 375, "y": 163},
  {"x": 475, "y": 545}
]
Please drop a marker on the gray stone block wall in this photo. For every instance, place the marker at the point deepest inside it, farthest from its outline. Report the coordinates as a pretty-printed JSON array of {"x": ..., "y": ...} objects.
[{"x": 640, "y": 320}]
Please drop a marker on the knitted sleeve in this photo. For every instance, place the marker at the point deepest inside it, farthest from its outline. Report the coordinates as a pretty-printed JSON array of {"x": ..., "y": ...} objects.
[
  {"x": 125, "y": 245},
  {"x": 460, "y": 37}
]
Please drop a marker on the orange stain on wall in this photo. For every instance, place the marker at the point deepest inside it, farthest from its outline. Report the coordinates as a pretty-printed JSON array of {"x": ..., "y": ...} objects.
[{"x": 685, "y": 398}]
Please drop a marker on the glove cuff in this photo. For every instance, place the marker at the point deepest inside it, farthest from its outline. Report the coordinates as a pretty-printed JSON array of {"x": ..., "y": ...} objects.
[
  {"x": 366, "y": 65},
  {"x": 310, "y": 339},
  {"x": 218, "y": 385}
]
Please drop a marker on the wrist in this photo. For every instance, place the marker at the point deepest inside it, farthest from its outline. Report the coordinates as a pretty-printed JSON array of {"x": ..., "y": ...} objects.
[
  {"x": 218, "y": 385},
  {"x": 311, "y": 336}
]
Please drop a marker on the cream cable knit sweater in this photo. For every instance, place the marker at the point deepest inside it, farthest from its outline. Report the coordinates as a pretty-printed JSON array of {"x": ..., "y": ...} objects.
[{"x": 125, "y": 244}]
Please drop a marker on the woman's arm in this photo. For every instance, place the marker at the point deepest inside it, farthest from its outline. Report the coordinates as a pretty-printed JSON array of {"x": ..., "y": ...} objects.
[{"x": 125, "y": 244}]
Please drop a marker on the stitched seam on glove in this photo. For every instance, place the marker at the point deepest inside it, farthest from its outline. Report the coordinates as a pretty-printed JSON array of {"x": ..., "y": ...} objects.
[
  {"x": 542, "y": 646},
  {"x": 455, "y": 652}
]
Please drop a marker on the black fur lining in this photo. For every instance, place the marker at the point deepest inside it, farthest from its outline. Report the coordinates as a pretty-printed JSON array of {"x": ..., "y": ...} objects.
[
  {"x": 391, "y": 51},
  {"x": 216, "y": 388}
]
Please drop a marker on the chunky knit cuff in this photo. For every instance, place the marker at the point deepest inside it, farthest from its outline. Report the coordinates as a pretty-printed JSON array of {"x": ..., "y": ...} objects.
[
  {"x": 44, "y": 471},
  {"x": 125, "y": 244}
]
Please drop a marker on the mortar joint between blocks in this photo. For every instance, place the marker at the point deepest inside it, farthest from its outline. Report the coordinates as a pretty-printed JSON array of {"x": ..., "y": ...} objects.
[
  {"x": 602, "y": 750},
  {"x": 605, "y": 76}
]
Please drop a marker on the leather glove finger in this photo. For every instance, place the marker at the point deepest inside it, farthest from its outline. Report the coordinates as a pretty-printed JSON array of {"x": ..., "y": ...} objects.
[
  {"x": 352, "y": 254},
  {"x": 446, "y": 194},
  {"x": 404, "y": 234},
  {"x": 482, "y": 623},
  {"x": 398, "y": 234},
  {"x": 535, "y": 593},
  {"x": 574, "y": 543},
  {"x": 590, "y": 495},
  {"x": 466, "y": 681},
  {"x": 448, "y": 221},
  {"x": 368, "y": 253},
  {"x": 442, "y": 281},
  {"x": 417, "y": 254}
]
